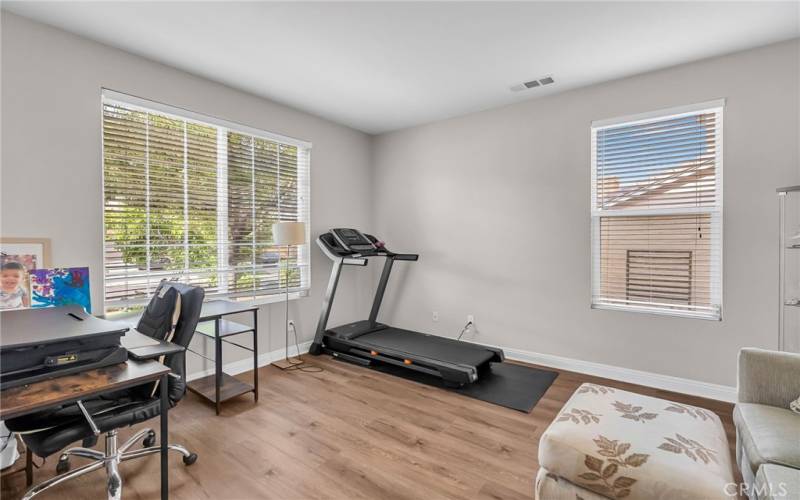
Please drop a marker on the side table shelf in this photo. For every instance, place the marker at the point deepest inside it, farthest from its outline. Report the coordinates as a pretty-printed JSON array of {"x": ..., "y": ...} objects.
[{"x": 220, "y": 386}]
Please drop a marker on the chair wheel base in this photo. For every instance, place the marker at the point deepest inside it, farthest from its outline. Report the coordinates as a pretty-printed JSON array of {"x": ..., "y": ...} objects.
[
  {"x": 62, "y": 466},
  {"x": 192, "y": 458}
]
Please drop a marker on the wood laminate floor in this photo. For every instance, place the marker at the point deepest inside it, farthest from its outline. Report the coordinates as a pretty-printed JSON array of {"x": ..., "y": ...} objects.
[{"x": 346, "y": 433}]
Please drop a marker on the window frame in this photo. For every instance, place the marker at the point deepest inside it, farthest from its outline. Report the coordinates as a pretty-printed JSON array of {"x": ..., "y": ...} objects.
[
  {"x": 108, "y": 96},
  {"x": 715, "y": 211}
]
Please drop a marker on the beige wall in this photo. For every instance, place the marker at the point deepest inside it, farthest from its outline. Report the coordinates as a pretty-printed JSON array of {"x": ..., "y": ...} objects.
[
  {"x": 497, "y": 204},
  {"x": 51, "y": 158}
]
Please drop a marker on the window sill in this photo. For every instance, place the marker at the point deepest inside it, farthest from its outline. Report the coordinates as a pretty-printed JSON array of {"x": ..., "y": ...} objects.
[
  {"x": 265, "y": 300},
  {"x": 659, "y": 312},
  {"x": 271, "y": 299}
]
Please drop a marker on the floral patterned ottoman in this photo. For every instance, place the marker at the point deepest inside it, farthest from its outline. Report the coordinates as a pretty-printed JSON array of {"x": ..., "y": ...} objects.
[{"x": 608, "y": 443}]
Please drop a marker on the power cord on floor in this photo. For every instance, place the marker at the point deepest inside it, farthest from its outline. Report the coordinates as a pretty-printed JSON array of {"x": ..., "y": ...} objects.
[
  {"x": 464, "y": 330},
  {"x": 298, "y": 364}
]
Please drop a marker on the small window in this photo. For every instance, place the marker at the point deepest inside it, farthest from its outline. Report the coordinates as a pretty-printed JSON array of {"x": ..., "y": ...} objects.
[
  {"x": 657, "y": 212},
  {"x": 193, "y": 199}
]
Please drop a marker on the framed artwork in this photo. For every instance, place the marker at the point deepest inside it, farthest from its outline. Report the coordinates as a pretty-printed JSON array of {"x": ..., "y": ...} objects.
[
  {"x": 18, "y": 257},
  {"x": 61, "y": 286}
]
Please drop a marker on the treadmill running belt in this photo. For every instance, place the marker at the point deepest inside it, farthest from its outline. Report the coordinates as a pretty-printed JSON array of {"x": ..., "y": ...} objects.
[
  {"x": 428, "y": 346},
  {"x": 514, "y": 386}
]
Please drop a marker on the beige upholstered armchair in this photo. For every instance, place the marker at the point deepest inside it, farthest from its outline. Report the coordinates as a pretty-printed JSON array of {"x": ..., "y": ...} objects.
[{"x": 767, "y": 431}]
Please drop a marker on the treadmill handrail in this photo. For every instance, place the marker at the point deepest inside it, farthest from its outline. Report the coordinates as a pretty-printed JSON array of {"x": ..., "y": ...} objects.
[
  {"x": 348, "y": 261},
  {"x": 406, "y": 256}
]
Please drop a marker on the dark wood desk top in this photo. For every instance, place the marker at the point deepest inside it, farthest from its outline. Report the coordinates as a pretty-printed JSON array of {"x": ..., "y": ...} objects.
[
  {"x": 21, "y": 400},
  {"x": 217, "y": 308}
]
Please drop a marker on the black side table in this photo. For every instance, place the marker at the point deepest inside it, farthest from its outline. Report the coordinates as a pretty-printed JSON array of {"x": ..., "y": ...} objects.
[{"x": 220, "y": 386}]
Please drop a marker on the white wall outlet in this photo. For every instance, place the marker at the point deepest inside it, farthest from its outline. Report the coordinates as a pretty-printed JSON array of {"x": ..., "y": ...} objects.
[
  {"x": 470, "y": 319},
  {"x": 435, "y": 316}
]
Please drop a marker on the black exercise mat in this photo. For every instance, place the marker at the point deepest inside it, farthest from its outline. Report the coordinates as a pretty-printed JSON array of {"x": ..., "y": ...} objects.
[{"x": 514, "y": 386}]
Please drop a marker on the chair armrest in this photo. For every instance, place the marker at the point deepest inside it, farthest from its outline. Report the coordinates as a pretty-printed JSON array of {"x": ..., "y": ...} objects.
[
  {"x": 768, "y": 377},
  {"x": 142, "y": 347}
]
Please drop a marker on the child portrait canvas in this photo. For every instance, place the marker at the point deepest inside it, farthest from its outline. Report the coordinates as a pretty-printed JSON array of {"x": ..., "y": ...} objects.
[
  {"x": 60, "y": 287},
  {"x": 14, "y": 292},
  {"x": 18, "y": 257}
]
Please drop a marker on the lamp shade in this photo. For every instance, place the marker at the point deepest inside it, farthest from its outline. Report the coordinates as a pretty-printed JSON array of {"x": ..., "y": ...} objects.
[{"x": 289, "y": 233}]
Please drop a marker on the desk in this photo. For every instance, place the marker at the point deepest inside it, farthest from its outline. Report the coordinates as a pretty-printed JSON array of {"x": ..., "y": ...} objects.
[
  {"x": 23, "y": 400},
  {"x": 220, "y": 386}
]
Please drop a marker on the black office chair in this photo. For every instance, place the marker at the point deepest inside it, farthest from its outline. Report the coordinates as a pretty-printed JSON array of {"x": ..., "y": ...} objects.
[{"x": 48, "y": 432}]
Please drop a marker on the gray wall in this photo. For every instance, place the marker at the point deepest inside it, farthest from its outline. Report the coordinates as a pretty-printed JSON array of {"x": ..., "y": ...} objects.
[
  {"x": 497, "y": 203},
  {"x": 51, "y": 154}
]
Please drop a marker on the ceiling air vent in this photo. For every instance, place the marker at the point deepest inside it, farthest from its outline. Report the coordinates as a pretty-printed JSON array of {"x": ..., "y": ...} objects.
[{"x": 539, "y": 82}]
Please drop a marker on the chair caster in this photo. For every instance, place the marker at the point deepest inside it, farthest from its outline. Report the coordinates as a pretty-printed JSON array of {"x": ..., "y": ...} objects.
[
  {"x": 62, "y": 466},
  {"x": 150, "y": 440},
  {"x": 192, "y": 458}
]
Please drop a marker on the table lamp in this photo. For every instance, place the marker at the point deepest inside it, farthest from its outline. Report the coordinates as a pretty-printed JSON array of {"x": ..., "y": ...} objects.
[{"x": 288, "y": 234}]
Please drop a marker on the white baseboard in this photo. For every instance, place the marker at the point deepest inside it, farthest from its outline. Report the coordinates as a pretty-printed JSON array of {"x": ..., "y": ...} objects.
[
  {"x": 246, "y": 364},
  {"x": 657, "y": 380}
]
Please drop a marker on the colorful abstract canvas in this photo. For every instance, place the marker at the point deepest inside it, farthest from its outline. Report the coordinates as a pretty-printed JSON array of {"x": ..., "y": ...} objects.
[{"x": 61, "y": 287}]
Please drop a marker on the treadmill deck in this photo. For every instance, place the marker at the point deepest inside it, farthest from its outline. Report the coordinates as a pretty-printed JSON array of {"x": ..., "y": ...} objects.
[{"x": 417, "y": 344}]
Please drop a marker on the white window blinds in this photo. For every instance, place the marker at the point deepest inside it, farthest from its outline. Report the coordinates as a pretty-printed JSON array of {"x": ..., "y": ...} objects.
[
  {"x": 193, "y": 199},
  {"x": 657, "y": 212}
]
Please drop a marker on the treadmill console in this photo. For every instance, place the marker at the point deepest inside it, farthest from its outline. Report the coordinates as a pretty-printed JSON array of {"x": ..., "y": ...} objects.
[{"x": 352, "y": 240}]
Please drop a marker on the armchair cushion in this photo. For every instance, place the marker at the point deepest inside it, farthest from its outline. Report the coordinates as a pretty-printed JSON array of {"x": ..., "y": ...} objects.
[
  {"x": 768, "y": 434},
  {"x": 768, "y": 377},
  {"x": 775, "y": 482}
]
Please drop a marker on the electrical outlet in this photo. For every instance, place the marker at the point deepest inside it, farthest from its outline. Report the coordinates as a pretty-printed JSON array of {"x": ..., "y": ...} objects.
[
  {"x": 435, "y": 316},
  {"x": 470, "y": 319}
]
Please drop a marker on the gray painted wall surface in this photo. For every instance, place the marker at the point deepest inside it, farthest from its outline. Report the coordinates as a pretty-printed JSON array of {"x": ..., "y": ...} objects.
[
  {"x": 497, "y": 204},
  {"x": 51, "y": 156}
]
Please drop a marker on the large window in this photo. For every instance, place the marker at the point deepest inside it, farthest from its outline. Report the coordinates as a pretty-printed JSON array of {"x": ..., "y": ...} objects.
[
  {"x": 193, "y": 199},
  {"x": 657, "y": 212}
]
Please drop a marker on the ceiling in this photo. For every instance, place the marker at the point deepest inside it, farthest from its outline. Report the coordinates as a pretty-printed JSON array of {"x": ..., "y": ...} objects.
[{"x": 388, "y": 65}]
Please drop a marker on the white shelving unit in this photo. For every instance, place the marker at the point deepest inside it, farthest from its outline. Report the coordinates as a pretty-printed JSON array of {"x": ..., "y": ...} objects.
[{"x": 789, "y": 276}]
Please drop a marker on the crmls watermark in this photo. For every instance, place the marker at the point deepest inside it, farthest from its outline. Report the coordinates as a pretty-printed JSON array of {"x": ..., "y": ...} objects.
[{"x": 779, "y": 490}]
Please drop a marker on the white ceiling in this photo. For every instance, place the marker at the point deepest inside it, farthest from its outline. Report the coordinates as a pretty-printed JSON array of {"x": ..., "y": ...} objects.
[{"x": 388, "y": 65}]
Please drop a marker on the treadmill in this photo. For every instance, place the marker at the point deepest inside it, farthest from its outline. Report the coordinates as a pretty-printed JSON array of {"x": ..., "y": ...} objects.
[{"x": 368, "y": 342}]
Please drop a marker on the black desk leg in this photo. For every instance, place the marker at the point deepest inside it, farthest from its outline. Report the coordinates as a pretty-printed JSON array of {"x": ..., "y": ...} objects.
[
  {"x": 255, "y": 353},
  {"x": 164, "y": 437},
  {"x": 28, "y": 467},
  {"x": 217, "y": 362}
]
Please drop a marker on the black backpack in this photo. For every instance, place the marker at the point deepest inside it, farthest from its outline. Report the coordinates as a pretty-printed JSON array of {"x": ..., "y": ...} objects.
[
  {"x": 159, "y": 321},
  {"x": 161, "y": 315}
]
